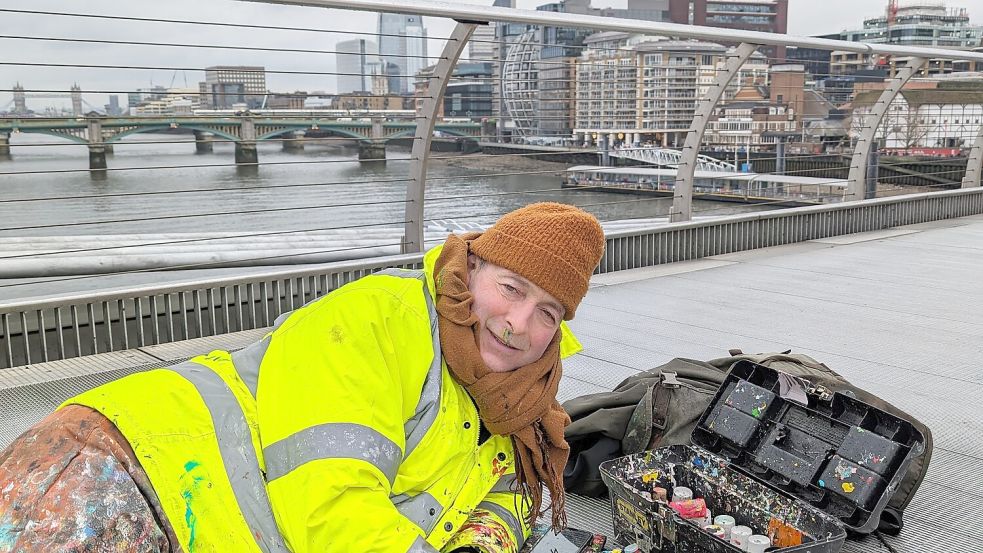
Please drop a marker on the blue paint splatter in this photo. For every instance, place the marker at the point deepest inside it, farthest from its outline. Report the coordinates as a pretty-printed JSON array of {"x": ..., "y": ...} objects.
[
  {"x": 697, "y": 462},
  {"x": 190, "y": 518},
  {"x": 107, "y": 470},
  {"x": 8, "y": 533},
  {"x": 822, "y": 484}
]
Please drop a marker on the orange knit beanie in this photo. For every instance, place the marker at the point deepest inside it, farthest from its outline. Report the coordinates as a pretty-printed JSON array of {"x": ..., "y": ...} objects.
[{"x": 556, "y": 246}]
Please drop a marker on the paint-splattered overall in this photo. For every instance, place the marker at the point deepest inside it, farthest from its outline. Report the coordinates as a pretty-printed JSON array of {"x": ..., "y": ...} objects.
[{"x": 71, "y": 483}]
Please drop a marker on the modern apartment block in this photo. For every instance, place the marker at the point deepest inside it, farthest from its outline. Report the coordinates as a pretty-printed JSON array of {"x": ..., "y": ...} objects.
[{"x": 227, "y": 85}]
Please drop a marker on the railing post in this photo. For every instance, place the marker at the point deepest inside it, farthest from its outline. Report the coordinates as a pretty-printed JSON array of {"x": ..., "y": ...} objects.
[
  {"x": 426, "y": 119},
  {"x": 857, "y": 180},
  {"x": 682, "y": 200},
  {"x": 974, "y": 165}
]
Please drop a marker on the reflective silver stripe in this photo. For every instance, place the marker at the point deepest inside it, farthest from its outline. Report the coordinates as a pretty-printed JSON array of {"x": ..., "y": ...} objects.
[
  {"x": 423, "y": 510},
  {"x": 247, "y": 362},
  {"x": 238, "y": 455},
  {"x": 509, "y": 519},
  {"x": 428, "y": 407},
  {"x": 505, "y": 484},
  {"x": 420, "y": 545},
  {"x": 334, "y": 440}
]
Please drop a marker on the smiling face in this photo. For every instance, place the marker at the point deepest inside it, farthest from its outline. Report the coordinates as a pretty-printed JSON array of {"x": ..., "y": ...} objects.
[{"x": 518, "y": 318}]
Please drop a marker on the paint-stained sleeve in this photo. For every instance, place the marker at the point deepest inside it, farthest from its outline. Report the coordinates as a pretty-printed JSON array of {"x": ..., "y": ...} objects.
[
  {"x": 336, "y": 385},
  {"x": 497, "y": 525}
]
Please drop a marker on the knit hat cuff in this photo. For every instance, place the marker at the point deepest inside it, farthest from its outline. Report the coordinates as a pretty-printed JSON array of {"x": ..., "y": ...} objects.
[{"x": 541, "y": 266}]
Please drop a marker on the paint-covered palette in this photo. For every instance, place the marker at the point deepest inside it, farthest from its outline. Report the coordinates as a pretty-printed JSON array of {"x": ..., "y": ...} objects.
[{"x": 801, "y": 468}]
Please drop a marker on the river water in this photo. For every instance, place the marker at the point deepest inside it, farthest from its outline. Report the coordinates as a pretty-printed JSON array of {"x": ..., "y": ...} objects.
[{"x": 323, "y": 186}]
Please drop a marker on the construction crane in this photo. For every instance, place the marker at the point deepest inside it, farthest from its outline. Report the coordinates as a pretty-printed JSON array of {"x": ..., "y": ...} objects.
[{"x": 892, "y": 17}]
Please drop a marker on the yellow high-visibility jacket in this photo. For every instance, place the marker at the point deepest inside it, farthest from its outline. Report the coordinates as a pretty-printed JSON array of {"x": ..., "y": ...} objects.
[{"x": 341, "y": 430}]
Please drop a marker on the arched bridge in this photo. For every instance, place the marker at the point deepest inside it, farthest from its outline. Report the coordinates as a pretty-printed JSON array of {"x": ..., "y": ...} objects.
[{"x": 101, "y": 132}]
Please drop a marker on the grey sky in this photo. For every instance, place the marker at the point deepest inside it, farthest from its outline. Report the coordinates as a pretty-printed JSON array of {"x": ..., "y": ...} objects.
[{"x": 805, "y": 17}]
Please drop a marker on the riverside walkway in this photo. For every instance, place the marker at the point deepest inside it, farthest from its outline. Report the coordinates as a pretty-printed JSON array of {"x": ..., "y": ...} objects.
[{"x": 897, "y": 311}]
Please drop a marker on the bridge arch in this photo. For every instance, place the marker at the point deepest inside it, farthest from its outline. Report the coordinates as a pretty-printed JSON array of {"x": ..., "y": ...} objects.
[
  {"x": 72, "y": 138},
  {"x": 453, "y": 131},
  {"x": 338, "y": 131},
  {"x": 155, "y": 128}
]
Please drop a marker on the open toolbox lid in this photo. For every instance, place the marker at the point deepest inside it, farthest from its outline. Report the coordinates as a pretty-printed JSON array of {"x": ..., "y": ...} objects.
[{"x": 832, "y": 451}]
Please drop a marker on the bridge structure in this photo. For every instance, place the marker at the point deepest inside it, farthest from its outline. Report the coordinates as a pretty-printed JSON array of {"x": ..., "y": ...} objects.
[
  {"x": 100, "y": 133},
  {"x": 883, "y": 289}
]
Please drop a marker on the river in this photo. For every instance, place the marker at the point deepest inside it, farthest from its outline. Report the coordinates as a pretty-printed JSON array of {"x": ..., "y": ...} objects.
[{"x": 158, "y": 184}]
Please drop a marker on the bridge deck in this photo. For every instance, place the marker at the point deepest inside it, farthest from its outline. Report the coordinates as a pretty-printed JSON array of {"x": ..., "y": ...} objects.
[{"x": 898, "y": 312}]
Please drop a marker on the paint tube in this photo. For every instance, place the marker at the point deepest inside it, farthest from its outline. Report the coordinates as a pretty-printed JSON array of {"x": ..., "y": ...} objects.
[
  {"x": 694, "y": 510},
  {"x": 758, "y": 543},
  {"x": 739, "y": 536},
  {"x": 681, "y": 493},
  {"x": 726, "y": 522}
]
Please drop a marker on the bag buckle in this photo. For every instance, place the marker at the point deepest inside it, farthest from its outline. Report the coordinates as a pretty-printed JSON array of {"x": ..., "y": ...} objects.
[
  {"x": 824, "y": 393},
  {"x": 669, "y": 380}
]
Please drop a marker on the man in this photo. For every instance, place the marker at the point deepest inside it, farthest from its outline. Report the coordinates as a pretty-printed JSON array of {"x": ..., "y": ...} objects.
[{"x": 406, "y": 411}]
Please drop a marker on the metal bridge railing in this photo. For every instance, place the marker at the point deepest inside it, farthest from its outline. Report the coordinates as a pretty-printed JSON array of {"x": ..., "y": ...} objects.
[
  {"x": 83, "y": 324},
  {"x": 111, "y": 216}
]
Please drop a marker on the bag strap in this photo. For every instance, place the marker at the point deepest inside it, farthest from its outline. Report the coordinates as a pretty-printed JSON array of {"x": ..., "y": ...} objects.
[{"x": 652, "y": 412}]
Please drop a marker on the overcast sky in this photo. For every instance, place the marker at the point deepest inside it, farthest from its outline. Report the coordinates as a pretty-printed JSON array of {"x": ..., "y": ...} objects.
[{"x": 806, "y": 17}]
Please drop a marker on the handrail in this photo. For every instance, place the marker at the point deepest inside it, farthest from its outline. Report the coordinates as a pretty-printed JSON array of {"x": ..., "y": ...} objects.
[{"x": 9, "y": 306}]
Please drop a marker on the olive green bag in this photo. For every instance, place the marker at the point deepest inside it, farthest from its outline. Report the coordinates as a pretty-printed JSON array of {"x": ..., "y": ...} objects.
[{"x": 661, "y": 406}]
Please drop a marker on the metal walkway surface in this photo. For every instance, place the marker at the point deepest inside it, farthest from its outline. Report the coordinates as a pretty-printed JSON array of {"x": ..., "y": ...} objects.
[{"x": 898, "y": 312}]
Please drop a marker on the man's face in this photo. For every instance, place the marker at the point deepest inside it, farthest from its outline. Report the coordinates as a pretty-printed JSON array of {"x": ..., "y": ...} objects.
[{"x": 518, "y": 318}]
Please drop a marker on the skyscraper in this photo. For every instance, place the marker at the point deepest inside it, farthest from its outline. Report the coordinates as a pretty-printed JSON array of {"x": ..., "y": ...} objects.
[
  {"x": 403, "y": 43},
  {"x": 357, "y": 62}
]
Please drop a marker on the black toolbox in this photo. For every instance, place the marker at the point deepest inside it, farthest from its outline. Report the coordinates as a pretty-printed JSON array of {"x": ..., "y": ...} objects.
[{"x": 801, "y": 465}]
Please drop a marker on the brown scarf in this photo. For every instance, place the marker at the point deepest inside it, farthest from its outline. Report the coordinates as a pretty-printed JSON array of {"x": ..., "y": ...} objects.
[{"x": 521, "y": 403}]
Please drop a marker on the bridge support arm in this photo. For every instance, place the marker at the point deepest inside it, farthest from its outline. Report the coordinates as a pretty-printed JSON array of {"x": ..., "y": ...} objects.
[
  {"x": 857, "y": 180},
  {"x": 682, "y": 200},
  {"x": 974, "y": 165},
  {"x": 427, "y": 118}
]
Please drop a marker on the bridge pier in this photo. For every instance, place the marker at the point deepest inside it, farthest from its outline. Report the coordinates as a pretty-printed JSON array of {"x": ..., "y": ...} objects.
[
  {"x": 246, "y": 153},
  {"x": 246, "y": 146},
  {"x": 4, "y": 144},
  {"x": 203, "y": 142},
  {"x": 97, "y": 157},
  {"x": 294, "y": 141},
  {"x": 371, "y": 150}
]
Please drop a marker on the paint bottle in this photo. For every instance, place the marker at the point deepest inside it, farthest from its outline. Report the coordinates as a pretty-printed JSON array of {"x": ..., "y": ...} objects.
[
  {"x": 708, "y": 518},
  {"x": 758, "y": 543},
  {"x": 739, "y": 536},
  {"x": 714, "y": 530},
  {"x": 681, "y": 493},
  {"x": 726, "y": 522},
  {"x": 631, "y": 548}
]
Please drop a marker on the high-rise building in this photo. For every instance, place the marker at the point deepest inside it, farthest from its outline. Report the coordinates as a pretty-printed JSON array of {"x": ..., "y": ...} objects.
[
  {"x": 402, "y": 43},
  {"x": 921, "y": 24},
  {"x": 357, "y": 60},
  {"x": 770, "y": 16},
  {"x": 112, "y": 108},
  {"x": 227, "y": 85},
  {"x": 634, "y": 88}
]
